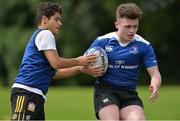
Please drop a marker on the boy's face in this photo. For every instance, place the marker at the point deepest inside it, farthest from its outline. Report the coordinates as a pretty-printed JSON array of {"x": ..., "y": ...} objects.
[
  {"x": 127, "y": 28},
  {"x": 53, "y": 23}
]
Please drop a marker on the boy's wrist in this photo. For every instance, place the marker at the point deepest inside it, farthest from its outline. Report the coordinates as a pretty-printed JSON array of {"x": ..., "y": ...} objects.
[
  {"x": 81, "y": 69},
  {"x": 77, "y": 61}
]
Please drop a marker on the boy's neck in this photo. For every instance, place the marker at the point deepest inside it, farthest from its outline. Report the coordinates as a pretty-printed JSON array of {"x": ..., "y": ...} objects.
[{"x": 42, "y": 27}]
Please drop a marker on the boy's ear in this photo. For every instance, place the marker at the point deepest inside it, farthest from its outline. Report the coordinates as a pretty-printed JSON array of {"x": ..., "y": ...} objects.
[
  {"x": 116, "y": 24},
  {"x": 44, "y": 20}
]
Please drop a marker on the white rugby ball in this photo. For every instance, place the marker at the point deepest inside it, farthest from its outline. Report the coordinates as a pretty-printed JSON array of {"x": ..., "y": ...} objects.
[{"x": 102, "y": 58}]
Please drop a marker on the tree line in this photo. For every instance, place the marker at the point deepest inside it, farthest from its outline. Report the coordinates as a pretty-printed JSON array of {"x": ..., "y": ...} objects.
[{"x": 83, "y": 21}]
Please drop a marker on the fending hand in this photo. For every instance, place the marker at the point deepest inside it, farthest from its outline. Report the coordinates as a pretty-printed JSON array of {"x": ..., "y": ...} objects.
[{"x": 154, "y": 93}]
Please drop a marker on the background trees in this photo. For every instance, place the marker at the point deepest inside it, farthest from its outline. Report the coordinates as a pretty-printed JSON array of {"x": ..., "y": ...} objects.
[{"x": 83, "y": 20}]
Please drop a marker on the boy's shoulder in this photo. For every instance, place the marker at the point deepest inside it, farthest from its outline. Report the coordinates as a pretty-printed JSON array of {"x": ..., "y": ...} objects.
[
  {"x": 140, "y": 39},
  {"x": 107, "y": 36},
  {"x": 45, "y": 32}
]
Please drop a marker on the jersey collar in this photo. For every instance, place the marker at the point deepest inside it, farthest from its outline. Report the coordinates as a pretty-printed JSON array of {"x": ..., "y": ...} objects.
[{"x": 119, "y": 41}]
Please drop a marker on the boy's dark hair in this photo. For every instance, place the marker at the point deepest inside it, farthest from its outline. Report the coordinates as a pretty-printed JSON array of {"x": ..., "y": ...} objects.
[
  {"x": 47, "y": 9},
  {"x": 128, "y": 10}
]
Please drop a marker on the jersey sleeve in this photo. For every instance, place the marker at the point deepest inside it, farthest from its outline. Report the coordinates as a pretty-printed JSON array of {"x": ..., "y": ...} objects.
[
  {"x": 45, "y": 40},
  {"x": 99, "y": 42},
  {"x": 95, "y": 43},
  {"x": 149, "y": 57}
]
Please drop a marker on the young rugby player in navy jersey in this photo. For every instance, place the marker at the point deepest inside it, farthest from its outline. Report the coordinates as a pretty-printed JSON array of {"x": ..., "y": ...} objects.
[
  {"x": 115, "y": 96},
  {"x": 39, "y": 63}
]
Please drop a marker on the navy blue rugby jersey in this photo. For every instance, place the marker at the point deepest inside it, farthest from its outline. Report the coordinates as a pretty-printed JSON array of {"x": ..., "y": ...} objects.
[
  {"x": 35, "y": 70},
  {"x": 125, "y": 60}
]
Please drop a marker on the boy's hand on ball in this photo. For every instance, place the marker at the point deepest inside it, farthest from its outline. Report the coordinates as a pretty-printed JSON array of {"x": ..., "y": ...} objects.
[
  {"x": 86, "y": 60},
  {"x": 94, "y": 71}
]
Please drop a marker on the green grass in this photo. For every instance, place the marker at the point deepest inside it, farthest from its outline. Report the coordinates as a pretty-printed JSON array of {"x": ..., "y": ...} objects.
[{"x": 69, "y": 103}]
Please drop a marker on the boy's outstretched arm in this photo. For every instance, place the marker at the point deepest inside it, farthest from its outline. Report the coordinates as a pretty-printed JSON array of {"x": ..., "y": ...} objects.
[
  {"x": 72, "y": 71},
  {"x": 155, "y": 82},
  {"x": 58, "y": 62}
]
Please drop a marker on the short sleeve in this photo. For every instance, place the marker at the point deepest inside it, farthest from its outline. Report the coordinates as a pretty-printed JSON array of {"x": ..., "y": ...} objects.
[
  {"x": 45, "y": 40},
  {"x": 149, "y": 57},
  {"x": 95, "y": 43}
]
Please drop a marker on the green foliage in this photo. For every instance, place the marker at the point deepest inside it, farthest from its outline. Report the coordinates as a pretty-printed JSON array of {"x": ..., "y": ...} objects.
[
  {"x": 12, "y": 46},
  {"x": 83, "y": 21},
  {"x": 18, "y": 13}
]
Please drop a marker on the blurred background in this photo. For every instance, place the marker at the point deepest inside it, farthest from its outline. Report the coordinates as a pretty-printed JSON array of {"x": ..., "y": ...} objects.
[{"x": 83, "y": 21}]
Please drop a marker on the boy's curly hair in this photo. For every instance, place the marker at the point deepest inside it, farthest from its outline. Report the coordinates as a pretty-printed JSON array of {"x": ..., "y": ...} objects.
[{"x": 47, "y": 9}]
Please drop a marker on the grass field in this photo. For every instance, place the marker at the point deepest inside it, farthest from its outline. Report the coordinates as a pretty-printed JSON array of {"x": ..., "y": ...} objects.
[{"x": 76, "y": 103}]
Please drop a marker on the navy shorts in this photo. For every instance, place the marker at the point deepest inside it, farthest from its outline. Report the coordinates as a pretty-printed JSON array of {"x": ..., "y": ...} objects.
[
  {"x": 105, "y": 95},
  {"x": 26, "y": 105}
]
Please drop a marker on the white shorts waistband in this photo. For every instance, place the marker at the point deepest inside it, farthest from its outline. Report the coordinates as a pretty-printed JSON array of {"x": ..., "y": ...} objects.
[{"x": 28, "y": 88}]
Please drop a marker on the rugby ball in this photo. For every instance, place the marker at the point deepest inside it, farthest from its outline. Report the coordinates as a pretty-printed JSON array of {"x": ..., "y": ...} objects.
[{"x": 102, "y": 58}]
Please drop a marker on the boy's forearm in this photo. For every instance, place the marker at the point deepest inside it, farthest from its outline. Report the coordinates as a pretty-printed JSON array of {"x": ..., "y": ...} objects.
[
  {"x": 67, "y": 72},
  {"x": 156, "y": 80}
]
